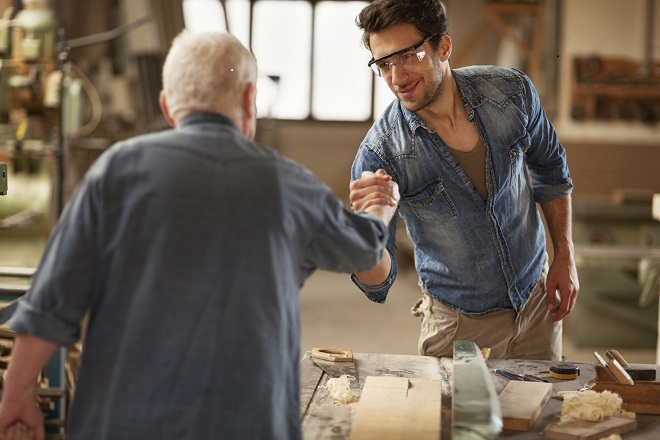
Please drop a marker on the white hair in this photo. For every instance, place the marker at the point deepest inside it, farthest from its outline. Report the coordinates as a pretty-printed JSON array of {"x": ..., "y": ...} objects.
[{"x": 206, "y": 71}]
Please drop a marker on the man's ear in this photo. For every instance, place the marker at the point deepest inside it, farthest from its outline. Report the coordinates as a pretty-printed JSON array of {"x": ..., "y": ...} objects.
[
  {"x": 249, "y": 98},
  {"x": 249, "y": 111},
  {"x": 445, "y": 47},
  {"x": 163, "y": 108}
]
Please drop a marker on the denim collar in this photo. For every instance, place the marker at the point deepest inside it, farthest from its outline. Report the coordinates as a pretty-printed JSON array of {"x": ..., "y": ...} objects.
[{"x": 205, "y": 117}]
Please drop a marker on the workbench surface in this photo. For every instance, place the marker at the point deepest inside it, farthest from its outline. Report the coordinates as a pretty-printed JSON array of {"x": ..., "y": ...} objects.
[{"x": 325, "y": 418}]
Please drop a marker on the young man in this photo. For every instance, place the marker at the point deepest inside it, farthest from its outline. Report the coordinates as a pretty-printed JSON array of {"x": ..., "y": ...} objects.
[
  {"x": 187, "y": 249},
  {"x": 472, "y": 152}
]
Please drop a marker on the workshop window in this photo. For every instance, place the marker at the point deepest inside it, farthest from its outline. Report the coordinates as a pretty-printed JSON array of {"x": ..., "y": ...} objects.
[
  {"x": 341, "y": 86},
  {"x": 282, "y": 43},
  {"x": 311, "y": 61}
]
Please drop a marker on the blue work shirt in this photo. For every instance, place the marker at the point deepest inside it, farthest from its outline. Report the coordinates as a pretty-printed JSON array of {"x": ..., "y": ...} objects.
[
  {"x": 188, "y": 248},
  {"x": 473, "y": 255}
]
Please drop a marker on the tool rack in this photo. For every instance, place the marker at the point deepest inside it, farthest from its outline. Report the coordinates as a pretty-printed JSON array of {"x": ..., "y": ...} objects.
[{"x": 54, "y": 373}]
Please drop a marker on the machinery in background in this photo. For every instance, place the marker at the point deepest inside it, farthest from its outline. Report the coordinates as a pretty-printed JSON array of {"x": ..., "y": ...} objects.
[
  {"x": 3, "y": 179},
  {"x": 73, "y": 81}
]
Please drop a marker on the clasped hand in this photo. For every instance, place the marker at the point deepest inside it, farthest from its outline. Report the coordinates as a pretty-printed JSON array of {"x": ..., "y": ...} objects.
[{"x": 375, "y": 193}]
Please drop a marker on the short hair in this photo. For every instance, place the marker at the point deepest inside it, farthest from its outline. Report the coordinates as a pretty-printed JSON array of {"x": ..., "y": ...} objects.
[
  {"x": 428, "y": 16},
  {"x": 206, "y": 71}
]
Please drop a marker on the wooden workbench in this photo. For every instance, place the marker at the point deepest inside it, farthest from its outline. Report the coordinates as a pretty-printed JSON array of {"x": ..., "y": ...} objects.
[{"x": 324, "y": 418}]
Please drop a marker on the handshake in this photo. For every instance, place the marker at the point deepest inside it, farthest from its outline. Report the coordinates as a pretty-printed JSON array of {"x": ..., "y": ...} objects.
[{"x": 375, "y": 193}]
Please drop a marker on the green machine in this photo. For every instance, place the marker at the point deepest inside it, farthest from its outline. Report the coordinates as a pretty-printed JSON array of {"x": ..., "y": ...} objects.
[{"x": 3, "y": 179}]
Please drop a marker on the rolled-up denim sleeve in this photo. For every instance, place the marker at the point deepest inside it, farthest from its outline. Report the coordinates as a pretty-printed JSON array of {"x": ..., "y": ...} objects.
[
  {"x": 545, "y": 157},
  {"x": 367, "y": 160},
  {"x": 378, "y": 294},
  {"x": 61, "y": 287},
  {"x": 31, "y": 320}
]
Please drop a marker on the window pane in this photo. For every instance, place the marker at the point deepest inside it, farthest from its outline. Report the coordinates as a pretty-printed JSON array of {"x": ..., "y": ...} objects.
[
  {"x": 342, "y": 82},
  {"x": 383, "y": 96},
  {"x": 209, "y": 16},
  {"x": 204, "y": 15},
  {"x": 282, "y": 44},
  {"x": 238, "y": 13}
]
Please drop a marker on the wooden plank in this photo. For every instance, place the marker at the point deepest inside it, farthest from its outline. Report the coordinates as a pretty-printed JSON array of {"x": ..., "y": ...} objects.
[
  {"x": 325, "y": 418},
  {"x": 310, "y": 376},
  {"x": 392, "y": 408},
  {"x": 522, "y": 402},
  {"x": 583, "y": 430}
]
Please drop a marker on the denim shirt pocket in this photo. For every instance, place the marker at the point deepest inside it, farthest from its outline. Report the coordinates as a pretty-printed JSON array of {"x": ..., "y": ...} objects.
[
  {"x": 432, "y": 202},
  {"x": 517, "y": 158}
]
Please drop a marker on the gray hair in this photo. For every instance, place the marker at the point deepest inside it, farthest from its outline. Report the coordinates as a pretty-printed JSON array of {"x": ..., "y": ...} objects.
[{"x": 206, "y": 71}]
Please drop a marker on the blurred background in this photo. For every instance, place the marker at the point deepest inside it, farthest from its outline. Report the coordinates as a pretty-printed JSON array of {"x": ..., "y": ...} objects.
[{"x": 77, "y": 76}]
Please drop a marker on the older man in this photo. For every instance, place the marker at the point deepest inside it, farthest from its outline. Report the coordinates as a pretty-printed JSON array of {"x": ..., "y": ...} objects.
[{"x": 188, "y": 248}]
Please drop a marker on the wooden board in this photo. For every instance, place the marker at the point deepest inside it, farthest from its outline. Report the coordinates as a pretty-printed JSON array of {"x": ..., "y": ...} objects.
[
  {"x": 395, "y": 408},
  {"x": 522, "y": 402},
  {"x": 583, "y": 430}
]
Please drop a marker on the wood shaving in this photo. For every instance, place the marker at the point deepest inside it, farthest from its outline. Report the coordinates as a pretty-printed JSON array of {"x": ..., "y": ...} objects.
[
  {"x": 592, "y": 406},
  {"x": 340, "y": 388}
]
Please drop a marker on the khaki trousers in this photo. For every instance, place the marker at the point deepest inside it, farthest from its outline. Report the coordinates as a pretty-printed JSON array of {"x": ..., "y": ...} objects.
[{"x": 530, "y": 334}]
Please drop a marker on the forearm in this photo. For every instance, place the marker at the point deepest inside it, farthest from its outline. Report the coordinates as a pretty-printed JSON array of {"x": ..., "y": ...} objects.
[
  {"x": 29, "y": 356},
  {"x": 558, "y": 216},
  {"x": 379, "y": 273}
]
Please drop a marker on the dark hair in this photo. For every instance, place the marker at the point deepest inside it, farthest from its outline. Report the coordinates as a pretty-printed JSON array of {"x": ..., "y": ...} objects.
[{"x": 428, "y": 16}]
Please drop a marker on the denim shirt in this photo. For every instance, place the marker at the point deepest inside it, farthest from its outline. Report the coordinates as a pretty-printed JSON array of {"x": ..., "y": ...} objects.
[
  {"x": 188, "y": 248},
  {"x": 473, "y": 255}
]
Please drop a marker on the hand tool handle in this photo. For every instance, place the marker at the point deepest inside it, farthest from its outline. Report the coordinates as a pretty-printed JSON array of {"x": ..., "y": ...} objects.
[
  {"x": 614, "y": 354},
  {"x": 507, "y": 375},
  {"x": 614, "y": 367},
  {"x": 333, "y": 354}
]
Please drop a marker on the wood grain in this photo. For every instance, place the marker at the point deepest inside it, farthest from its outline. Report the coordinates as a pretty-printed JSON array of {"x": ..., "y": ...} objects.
[
  {"x": 583, "y": 430},
  {"x": 394, "y": 408},
  {"x": 522, "y": 402}
]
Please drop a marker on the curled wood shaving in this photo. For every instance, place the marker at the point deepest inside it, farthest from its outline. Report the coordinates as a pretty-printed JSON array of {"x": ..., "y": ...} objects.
[
  {"x": 340, "y": 388},
  {"x": 592, "y": 406}
]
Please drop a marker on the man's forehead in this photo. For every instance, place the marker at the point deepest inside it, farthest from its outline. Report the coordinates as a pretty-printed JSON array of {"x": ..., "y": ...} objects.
[{"x": 394, "y": 39}]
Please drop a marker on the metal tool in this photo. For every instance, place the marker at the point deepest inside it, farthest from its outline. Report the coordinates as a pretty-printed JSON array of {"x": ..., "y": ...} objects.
[
  {"x": 517, "y": 376},
  {"x": 3, "y": 179},
  {"x": 614, "y": 367},
  {"x": 335, "y": 361}
]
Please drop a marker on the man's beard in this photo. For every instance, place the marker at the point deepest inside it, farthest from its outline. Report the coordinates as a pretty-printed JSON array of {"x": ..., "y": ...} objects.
[{"x": 430, "y": 95}]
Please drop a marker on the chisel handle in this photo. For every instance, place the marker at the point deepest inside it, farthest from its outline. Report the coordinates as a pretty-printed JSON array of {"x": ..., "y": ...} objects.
[{"x": 614, "y": 354}]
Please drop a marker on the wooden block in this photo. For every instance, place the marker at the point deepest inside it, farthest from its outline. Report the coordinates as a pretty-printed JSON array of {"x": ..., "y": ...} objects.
[
  {"x": 522, "y": 402},
  {"x": 583, "y": 430},
  {"x": 393, "y": 408}
]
